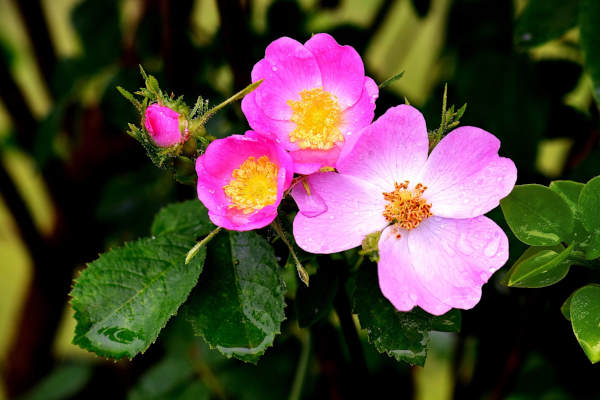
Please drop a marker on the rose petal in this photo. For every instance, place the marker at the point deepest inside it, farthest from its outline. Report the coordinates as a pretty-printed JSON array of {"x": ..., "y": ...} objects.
[
  {"x": 392, "y": 149},
  {"x": 287, "y": 69},
  {"x": 354, "y": 210},
  {"x": 342, "y": 69},
  {"x": 274, "y": 129},
  {"x": 441, "y": 264},
  {"x": 464, "y": 175},
  {"x": 309, "y": 202},
  {"x": 398, "y": 280},
  {"x": 360, "y": 114}
]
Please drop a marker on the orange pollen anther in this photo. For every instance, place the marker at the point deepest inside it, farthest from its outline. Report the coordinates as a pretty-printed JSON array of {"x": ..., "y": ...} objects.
[
  {"x": 317, "y": 116},
  {"x": 406, "y": 207},
  {"x": 253, "y": 185}
]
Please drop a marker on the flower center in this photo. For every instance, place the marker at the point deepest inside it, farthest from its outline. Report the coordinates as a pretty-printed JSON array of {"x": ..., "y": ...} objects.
[
  {"x": 253, "y": 185},
  {"x": 406, "y": 207},
  {"x": 317, "y": 116}
]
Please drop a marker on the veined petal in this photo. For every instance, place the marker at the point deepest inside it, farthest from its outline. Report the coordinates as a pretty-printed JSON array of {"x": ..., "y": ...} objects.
[
  {"x": 392, "y": 149},
  {"x": 442, "y": 264},
  {"x": 360, "y": 115},
  {"x": 342, "y": 69},
  {"x": 398, "y": 280},
  {"x": 274, "y": 129},
  {"x": 464, "y": 175},
  {"x": 354, "y": 210},
  {"x": 287, "y": 69}
]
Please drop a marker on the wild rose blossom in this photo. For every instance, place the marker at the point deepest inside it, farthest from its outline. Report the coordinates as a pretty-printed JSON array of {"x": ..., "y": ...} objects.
[
  {"x": 241, "y": 180},
  {"x": 314, "y": 99},
  {"x": 162, "y": 123},
  {"x": 436, "y": 248}
]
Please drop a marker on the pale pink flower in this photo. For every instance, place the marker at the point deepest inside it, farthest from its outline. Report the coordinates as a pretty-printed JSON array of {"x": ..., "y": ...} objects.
[
  {"x": 162, "y": 123},
  {"x": 314, "y": 100},
  {"x": 436, "y": 248},
  {"x": 241, "y": 180}
]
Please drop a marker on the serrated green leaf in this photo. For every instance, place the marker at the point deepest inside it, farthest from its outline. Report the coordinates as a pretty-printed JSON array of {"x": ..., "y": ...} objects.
[
  {"x": 589, "y": 34},
  {"x": 585, "y": 319},
  {"x": 402, "y": 335},
  {"x": 540, "y": 267},
  {"x": 188, "y": 218},
  {"x": 130, "y": 97},
  {"x": 314, "y": 302},
  {"x": 537, "y": 215},
  {"x": 449, "y": 322},
  {"x": 237, "y": 306},
  {"x": 125, "y": 297},
  {"x": 544, "y": 20}
]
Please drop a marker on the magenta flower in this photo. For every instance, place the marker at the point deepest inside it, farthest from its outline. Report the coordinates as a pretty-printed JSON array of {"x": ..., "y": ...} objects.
[
  {"x": 314, "y": 99},
  {"x": 436, "y": 248},
  {"x": 241, "y": 180},
  {"x": 162, "y": 124}
]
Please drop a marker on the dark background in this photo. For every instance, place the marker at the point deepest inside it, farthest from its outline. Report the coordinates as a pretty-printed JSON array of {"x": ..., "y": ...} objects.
[{"x": 73, "y": 183}]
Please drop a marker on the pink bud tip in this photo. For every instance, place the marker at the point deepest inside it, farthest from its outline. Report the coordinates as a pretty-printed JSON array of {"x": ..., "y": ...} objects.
[{"x": 162, "y": 124}]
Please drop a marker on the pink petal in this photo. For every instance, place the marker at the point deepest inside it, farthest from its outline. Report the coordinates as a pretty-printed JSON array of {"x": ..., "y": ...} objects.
[
  {"x": 260, "y": 122},
  {"x": 309, "y": 202},
  {"x": 465, "y": 176},
  {"x": 398, "y": 280},
  {"x": 354, "y": 210},
  {"x": 392, "y": 149},
  {"x": 442, "y": 264},
  {"x": 287, "y": 69},
  {"x": 342, "y": 69},
  {"x": 360, "y": 114},
  {"x": 308, "y": 161},
  {"x": 215, "y": 167}
]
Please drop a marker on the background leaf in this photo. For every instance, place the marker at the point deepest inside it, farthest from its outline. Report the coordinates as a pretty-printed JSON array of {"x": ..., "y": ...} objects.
[
  {"x": 544, "y": 20},
  {"x": 402, "y": 335},
  {"x": 314, "y": 302},
  {"x": 537, "y": 215},
  {"x": 585, "y": 318},
  {"x": 125, "y": 297},
  {"x": 62, "y": 383},
  {"x": 590, "y": 40},
  {"x": 238, "y": 304}
]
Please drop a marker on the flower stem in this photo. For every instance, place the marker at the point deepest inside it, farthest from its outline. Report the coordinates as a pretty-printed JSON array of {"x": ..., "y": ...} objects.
[
  {"x": 200, "y": 244},
  {"x": 233, "y": 98},
  {"x": 296, "y": 392},
  {"x": 301, "y": 271},
  {"x": 344, "y": 313}
]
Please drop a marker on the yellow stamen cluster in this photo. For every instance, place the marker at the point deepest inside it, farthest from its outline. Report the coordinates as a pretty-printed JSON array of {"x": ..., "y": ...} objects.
[
  {"x": 317, "y": 116},
  {"x": 406, "y": 208},
  {"x": 253, "y": 185}
]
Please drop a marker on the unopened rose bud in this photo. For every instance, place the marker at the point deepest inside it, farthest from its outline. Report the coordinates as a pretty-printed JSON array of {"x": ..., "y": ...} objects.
[{"x": 162, "y": 124}]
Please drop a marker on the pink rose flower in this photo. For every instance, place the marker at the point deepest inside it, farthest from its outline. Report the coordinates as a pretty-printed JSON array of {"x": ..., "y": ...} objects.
[
  {"x": 162, "y": 124},
  {"x": 436, "y": 248},
  {"x": 241, "y": 180},
  {"x": 314, "y": 99}
]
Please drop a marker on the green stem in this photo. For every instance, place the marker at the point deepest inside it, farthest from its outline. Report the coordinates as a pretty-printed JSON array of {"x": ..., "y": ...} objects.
[
  {"x": 233, "y": 98},
  {"x": 301, "y": 271},
  {"x": 200, "y": 244},
  {"x": 298, "y": 383}
]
